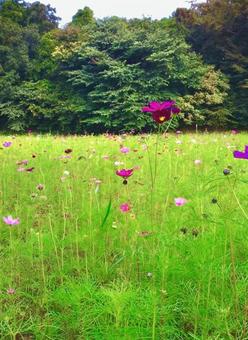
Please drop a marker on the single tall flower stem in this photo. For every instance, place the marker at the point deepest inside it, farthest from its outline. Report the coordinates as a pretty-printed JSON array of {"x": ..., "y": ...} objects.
[{"x": 154, "y": 174}]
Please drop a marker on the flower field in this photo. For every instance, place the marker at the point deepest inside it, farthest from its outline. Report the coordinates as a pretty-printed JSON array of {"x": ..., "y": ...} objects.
[{"x": 124, "y": 237}]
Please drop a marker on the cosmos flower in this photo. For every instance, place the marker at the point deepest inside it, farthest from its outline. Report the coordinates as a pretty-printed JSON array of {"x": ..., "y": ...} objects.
[
  {"x": 24, "y": 162},
  {"x": 241, "y": 155},
  {"x": 10, "y": 291},
  {"x": 125, "y": 173},
  {"x": 234, "y": 132},
  {"x": 124, "y": 149},
  {"x": 30, "y": 169},
  {"x": 7, "y": 144},
  {"x": 117, "y": 163},
  {"x": 125, "y": 207},
  {"x": 180, "y": 201},
  {"x": 40, "y": 187},
  {"x": 162, "y": 112},
  {"x": 10, "y": 220},
  {"x": 198, "y": 162}
]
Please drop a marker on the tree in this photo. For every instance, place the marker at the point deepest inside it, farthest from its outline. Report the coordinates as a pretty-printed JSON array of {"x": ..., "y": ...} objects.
[{"x": 83, "y": 17}]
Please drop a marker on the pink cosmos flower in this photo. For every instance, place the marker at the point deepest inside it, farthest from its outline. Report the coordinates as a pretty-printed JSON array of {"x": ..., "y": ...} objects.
[
  {"x": 21, "y": 169},
  {"x": 10, "y": 220},
  {"x": 124, "y": 149},
  {"x": 180, "y": 201},
  {"x": 24, "y": 162},
  {"x": 10, "y": 291},
  {"x": 125, "y": 207},
  {"x": 234, "y": 132},
  {"x": 125, "y": 173},
  {"x": 7, "y": 144}
]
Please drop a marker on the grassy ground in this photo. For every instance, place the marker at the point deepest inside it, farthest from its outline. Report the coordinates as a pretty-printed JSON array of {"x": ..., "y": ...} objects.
[{"x": 80, "y": 268}]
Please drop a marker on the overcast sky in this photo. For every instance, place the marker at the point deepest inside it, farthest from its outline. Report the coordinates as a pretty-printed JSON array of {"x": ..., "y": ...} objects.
[{"x": 156, "y": 9}]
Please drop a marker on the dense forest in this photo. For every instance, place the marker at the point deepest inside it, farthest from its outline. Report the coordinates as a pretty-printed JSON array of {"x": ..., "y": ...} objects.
[{"x": 94, "y": 75}]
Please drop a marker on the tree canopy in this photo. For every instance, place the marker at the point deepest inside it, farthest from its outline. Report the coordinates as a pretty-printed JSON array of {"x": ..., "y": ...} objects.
[{"x": 95, "y": 75}]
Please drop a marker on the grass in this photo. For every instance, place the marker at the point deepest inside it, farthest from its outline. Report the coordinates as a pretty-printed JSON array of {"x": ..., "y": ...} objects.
[{"x": 82, "y": 269}]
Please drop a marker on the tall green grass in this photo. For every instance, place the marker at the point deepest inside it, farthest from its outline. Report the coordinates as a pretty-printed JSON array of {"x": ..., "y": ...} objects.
[{"x": 82, "y": 269}]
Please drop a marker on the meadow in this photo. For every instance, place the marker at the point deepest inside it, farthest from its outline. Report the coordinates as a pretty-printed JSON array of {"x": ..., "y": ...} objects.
[{"x": 88, "y": 257}]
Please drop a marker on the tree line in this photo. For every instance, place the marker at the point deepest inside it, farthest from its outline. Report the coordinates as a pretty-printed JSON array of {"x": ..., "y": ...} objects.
[{"x": 94, "y": 75}]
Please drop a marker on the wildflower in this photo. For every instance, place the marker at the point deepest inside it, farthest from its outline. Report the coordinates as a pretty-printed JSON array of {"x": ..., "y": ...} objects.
[
  {"x": 105, "y": 157},
  {"x": 124, "y": 149},
  {"x": 118, "y": 163},
  {"x": 241, "y": 155},
  {"x": 21, "y": 169},
  {"x": 226, "y": 172},
  {"x": 10, "y": 220},
  {"x": 33, "y": 155},
  {"x": 180, "y": 201},
  {"x": 162, "y": 112},
  {"x": 178, "y": 132},
  {"x": 30, "y": 169},
  {"x": 179, "y": 142},
  {"x": 125, "y": 207},
  {"x": 66, "y": 173},
  {"x": 197, "y": 162},
  {"x": 125, "y": 173},
  {"x": 10, "y": 291},
  {"x": 149, "y": 274},
  {"x": 24, "y": 162},
  {"x": 7, "y": 144},
  {"x": 234, "y": 132},
  {"x": 40, "y": 187}
]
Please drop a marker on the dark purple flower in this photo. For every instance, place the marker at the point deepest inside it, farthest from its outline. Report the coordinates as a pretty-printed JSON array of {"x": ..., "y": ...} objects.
[
  {"x": 162, "y": 112},
  {"x": 30, "y": 169}
]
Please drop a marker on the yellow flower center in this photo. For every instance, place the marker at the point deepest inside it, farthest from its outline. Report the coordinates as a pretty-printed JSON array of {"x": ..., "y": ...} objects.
[{"x": 162, "y": 118}]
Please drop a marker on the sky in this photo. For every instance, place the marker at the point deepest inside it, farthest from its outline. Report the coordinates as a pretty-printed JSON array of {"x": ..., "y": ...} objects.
[{"x": 156, "y": 9}]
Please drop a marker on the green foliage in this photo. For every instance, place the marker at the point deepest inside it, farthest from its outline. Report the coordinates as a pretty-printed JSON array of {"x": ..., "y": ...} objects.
[
  {"x": 104, "y": 71},
  {"x": 218, "y": 30},
  {"x": 124, "y": 65},
  {"x": 83, "y": 17},
  {"x": 41, "y": 106}
]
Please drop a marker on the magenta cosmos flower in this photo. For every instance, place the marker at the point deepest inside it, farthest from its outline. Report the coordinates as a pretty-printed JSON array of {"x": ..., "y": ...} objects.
[
  {"x": 124, "y": 173},
  {"x": 125, "y": 207},
  {"x": 240, "y": 154},
  {"x": 7, "y": 144},
  {"x": 162, "y": 112},
  {"x": 179, "y": 201},
  {"x": 11, "y": 221}
]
